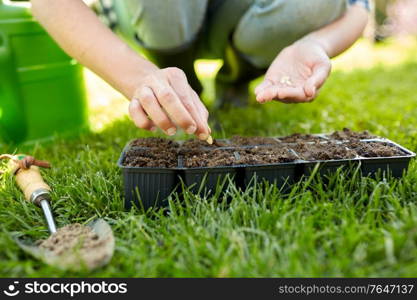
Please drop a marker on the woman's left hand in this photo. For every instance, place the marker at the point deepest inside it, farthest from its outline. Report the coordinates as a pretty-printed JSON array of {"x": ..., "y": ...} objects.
[{"x": 296, "y": 74}]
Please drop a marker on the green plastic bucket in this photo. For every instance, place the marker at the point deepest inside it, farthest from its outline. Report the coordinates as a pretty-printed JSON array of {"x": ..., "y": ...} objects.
[{"x": 41, "y": 88}]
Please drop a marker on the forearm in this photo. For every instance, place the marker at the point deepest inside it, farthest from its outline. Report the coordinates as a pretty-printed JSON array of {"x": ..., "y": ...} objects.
[
  {"x": 338, "y": 36},
  {"x": 80, "y": 33}
]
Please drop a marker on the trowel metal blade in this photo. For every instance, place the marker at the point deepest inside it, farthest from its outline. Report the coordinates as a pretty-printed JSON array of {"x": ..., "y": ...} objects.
[{"x": 75, "y": 261}]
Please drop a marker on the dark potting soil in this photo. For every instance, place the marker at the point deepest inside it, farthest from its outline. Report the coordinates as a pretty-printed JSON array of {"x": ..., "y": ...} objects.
[
  {"x": 252, "y": 141},
  {"x": 151, "y": 158},
  {"x": 265, "y": 155},
  {"x": 164, "y": 153},
  {"x": 208, "y": 158},
  {"x": 155, "y": 142},
  {"x": 245, "y": 156},
  {"x": 199, "y": 144},
  {"x": 347, "y": 134},
  {"x": 299, "y": 137},
  {"x": 323, "y": 151},
  {"x": 374, "y": 149}
]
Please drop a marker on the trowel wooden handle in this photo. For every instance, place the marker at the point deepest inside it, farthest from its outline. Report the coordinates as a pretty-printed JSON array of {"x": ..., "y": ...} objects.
[{"x": 30, "y": 180}]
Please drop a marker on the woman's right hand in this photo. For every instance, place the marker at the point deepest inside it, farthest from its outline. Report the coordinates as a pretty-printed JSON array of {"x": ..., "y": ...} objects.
[{"x": 164, "y": 99}]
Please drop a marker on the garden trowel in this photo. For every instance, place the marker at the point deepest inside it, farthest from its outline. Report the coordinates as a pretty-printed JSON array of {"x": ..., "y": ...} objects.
[{"x": 27, "y": 175}]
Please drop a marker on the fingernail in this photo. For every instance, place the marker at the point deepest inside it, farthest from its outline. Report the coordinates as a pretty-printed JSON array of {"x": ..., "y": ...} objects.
[
  {"x": 203, "y": 136},
  {"x": 171, "y": 131},
  {"x": 209, "y": 129},
  {"x": 153, "y": 128},
  {"x": 191, "y": 129}
]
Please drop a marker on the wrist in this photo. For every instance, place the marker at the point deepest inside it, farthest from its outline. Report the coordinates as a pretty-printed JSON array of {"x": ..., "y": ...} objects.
[
  {"x": 143, "y": 69},
  {"x": 135, "y": 69},
  {"x": 316, "y": 43}
]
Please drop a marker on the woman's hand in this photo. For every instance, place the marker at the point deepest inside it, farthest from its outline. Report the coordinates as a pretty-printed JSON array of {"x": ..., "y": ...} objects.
[
  {"x": 164, "y": 99},
  {"x": 296, "y": 74},
  {"x": 299, "y": 71}
]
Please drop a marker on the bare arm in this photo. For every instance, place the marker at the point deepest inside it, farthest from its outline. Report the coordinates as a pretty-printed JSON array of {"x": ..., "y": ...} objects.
[
  {"x": 338, "y": 36},
  {"x": 78, "y": 31},
  {"x": 299, "y": 70},
  {"x": 163, "y": 95}
]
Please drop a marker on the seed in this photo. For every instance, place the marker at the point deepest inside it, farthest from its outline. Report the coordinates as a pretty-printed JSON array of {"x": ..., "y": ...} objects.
[
  {"x": 209, "y": 140},
  {"x": 286, "y": 80}
]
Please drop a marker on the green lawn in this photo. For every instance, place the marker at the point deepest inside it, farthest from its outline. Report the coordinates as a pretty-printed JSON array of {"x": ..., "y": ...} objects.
[{"x": 350, "y": 226}]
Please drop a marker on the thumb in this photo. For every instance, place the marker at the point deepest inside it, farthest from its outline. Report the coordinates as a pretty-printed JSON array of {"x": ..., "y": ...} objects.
[{"x": 317, "y": 79}]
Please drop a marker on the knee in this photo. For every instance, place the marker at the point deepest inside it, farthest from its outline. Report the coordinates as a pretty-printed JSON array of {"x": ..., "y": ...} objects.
[
  {"x": 167, "y": 25},
  {"x": 270, "y": 25}
]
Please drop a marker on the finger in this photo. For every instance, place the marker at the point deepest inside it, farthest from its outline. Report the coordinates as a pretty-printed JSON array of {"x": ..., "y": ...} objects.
[
  {"x": 293, "y": 94},
  {"x": 268, "y": 94},
  {"x": 202, "y": 132},
  {"x": 283, "y": 94},
  {"x": 201, "y": 106},
  {"x": 171, "y": 103},
  {"x": 263, "y": 85},
  {"x": 179, "y": 83},
  {"x": 316, "y": 94},
  {"x": 151, "y": 106},
  {"x": 316, "y": 80},
  {"x": 139, "y": 117}
]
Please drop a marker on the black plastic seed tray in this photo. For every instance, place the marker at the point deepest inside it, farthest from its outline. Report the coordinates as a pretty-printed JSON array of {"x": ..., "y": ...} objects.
[
  {"x": 395, "y": 165},
  {"x": 324, "y": 166},
  {"x": 370, "y": 166},
  {"x": 150, "y": 187},
  {"x": 147, "y": 187},
  {"x": 281, "y": 174},
  {"x": 205, "y": 180}
]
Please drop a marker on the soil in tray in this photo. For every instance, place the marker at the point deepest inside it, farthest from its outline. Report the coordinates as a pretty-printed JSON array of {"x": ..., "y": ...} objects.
[
  {"x": 265, "y": 155},
  {"x": 151, "y": 158},
  {"x": 152, "y": 152},
  {"x": 208, "y": 158},
  {"x": 199, "y": 144},
  {"x": 299, "y": 137},
  {"x": 252, "y": 141},
  {"x": 347, "y": 134},
  {"x": 245, "y": 156},
  {"x": 323, "y": 151},
  {"x": 163, "y": 153},
  {"x": 375, "y": 149},
  {"x": 155, "y": 142}
]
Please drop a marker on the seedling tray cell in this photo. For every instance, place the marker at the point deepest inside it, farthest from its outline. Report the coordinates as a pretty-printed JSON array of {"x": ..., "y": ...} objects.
[
  {"x": 205, "y": 180},
  {"x": 148, "y": 187},
  {"x": 394, "y": 165},
  {"x": 281, "y": 175},
  {"x": 328, "y": 167},
  {"x": 271, "y": 163},
  {"x": 325, "y": 155}
]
